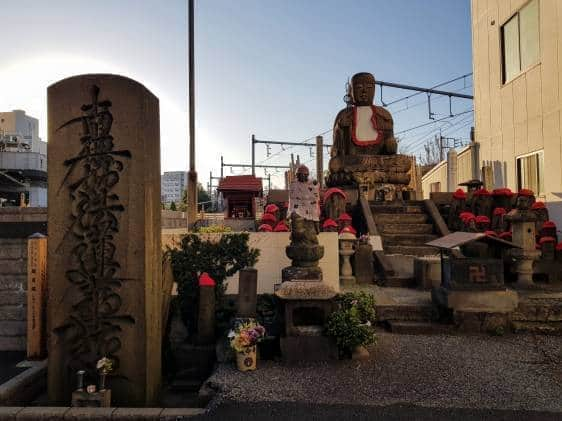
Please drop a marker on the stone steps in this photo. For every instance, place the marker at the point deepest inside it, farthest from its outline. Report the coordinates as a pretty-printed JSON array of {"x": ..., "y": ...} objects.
[
  {"x": 404, "y": 312},
  {"x": 405, "y": 228},
  {"x": 396, "y": 209},
  {"x": 550, "y": 328},
  {"x": 399, "y": 282},
  {"x": 411, "y": 250},
  {"x": 419, "y": 328},
  {"x": 407, "y": 239},
  {"x": 400, "y": 218}
]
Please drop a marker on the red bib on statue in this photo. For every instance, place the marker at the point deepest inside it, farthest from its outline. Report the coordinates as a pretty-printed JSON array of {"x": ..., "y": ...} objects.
[{"x": 364, "y": 131}]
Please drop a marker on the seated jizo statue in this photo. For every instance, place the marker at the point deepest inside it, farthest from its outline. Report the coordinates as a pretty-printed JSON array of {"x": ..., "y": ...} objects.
[{"x": 364, "y": 147}]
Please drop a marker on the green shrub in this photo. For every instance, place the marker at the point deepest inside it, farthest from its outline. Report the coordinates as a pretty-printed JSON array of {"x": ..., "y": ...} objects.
[
  {"x": 351, "y": 325},
  {"x": 214, "y": 228},
  {"x": 220, "y": 260}
]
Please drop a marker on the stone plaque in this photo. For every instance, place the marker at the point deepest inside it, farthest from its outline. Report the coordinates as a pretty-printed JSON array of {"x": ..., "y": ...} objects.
[
  {"x": 36, "y": 296},
  {"x": 104, "y": 249},
  {"x": 247, "y": 292}
]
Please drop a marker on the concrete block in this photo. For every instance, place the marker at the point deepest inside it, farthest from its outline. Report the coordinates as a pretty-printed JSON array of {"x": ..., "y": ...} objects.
[
  {"x": 175, "y": 414},
  {"x": 308, "y": 348},
  {"x": 13, "y": 312},
  {"x": 504, "y": 301},
  {"x": 13, "y": 282},
  {"x": 12, "y": 298},
  {"x": 26, "y": 385},
  {"x": 87, "y": 414},
  {"x": 427, "y": 271},
  {"x": 132, "y": 414},
  {"x": 9, "y": 413},
  {"x": 46, "y": 413},
  {"x": 12, "y": 343},
  {"x": 13, "y": 328}
]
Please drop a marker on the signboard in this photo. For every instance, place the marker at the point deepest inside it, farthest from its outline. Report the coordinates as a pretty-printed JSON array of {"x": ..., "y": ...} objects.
[
  {"x": 376, "y": 242},
  {"x": 36, "y": 296}
]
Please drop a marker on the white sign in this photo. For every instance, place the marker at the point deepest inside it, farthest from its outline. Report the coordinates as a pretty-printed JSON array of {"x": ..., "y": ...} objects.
[{"x": 376, "y": 242}]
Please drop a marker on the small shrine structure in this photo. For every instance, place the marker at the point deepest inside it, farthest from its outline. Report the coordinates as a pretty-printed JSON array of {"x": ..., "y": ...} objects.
[{"x": 239, "y": 194}]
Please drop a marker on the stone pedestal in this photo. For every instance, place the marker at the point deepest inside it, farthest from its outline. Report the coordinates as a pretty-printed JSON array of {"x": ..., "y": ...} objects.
[
  {"x": 104, "y": 249},
  {"x": 384, "y": 176},
  {"x": 307, "y": 306},
  {"x": 347, "y": 242},
  {"x": 363, "y": 264},
  {"x": 523, "y": 227},
  {"x": 101, "y": 399}
]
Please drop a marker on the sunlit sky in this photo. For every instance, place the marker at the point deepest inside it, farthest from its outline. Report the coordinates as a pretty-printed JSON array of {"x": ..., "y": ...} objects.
[{"x": 276, "y": 69}]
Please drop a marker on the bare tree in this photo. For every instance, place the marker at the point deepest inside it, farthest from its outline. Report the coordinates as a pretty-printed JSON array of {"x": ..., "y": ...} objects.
[{"x": 431, "y": 154}]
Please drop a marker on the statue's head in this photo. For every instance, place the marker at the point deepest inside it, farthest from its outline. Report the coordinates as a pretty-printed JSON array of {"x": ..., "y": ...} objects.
[
  {"x": 302, "y": 173},
  {"x": 363, "y": 89}
]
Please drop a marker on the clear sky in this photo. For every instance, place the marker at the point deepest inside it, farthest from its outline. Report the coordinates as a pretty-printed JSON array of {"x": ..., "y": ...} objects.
[{"x": 275, "y": 68}]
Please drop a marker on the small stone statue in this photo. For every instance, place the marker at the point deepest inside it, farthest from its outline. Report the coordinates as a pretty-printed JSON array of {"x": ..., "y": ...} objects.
[
  {"x": 304, "y": 211},
  {"x": 304, "y": 205}
]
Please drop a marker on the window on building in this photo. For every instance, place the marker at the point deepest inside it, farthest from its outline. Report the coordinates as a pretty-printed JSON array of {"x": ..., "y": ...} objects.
[
  {"x": 530, "y": 172},
  {"x": 520, "y": 41}
]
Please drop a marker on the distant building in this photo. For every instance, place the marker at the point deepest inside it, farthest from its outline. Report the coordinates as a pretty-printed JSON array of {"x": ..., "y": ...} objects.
[
  {"x": 174, "y": 183},
  {"x": 23, "y": 160}
]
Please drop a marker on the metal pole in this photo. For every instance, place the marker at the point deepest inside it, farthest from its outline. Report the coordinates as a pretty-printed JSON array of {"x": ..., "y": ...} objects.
[
  {"x": 253, "y": 155},
  {"x": 192, "y": 177},
  {"x": 319, "y": 160},
  {"x": 222, "y": 168}
]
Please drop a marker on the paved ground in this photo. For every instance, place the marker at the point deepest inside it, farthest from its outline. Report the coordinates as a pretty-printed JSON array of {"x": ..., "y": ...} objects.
[
  {"x": 8, "y": 361},
  {"x": 285, "y": 411},
  {"x": 412, "y": 374}
]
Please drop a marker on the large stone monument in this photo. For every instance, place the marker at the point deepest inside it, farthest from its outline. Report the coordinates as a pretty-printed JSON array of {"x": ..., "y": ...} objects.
[
  {"x": 104, "y": 248},
  {"x": 308, "y": 300},
  {"x": 364, "y": 148}
]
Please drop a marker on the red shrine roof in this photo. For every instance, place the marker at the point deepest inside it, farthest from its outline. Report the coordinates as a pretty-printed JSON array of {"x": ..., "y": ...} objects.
[{"x": 247, "y": 183}]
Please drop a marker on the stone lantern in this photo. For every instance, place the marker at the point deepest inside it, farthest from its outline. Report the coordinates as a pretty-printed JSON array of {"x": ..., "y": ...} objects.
[
  {"x": 347, "y": 249},
  {"x": 522, "y": 221}
]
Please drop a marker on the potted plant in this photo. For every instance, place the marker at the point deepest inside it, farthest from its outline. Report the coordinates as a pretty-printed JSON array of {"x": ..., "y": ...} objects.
[
  {"x": 243, "y": 339},
  {"x": 351, "y": 325}
]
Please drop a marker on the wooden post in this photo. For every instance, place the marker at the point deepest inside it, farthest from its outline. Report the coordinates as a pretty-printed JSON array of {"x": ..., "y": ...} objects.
[{"x": 36, "y": 296}]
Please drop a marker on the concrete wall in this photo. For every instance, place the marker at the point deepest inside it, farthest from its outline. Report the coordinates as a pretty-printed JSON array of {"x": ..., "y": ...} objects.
[
  {"x": 524, "y": 114},
  {"x": 439, "y": 173},
  {"x": 174, "y": 219},
  {"x": 13, "y": 296},
  {"x": 272, "y": 258},
  {"x": 16, "y": 224}
]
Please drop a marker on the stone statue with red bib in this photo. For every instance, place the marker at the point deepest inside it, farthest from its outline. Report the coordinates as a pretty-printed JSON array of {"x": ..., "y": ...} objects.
[{"x": 364, "y": 147}]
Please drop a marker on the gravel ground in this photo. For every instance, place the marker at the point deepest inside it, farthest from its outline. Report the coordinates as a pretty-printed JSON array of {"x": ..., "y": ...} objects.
[{"x": 516, "y": 372}]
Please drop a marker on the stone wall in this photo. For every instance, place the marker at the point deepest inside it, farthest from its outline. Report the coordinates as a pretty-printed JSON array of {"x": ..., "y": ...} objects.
[
  {"x": 16, "y": 224},
  {"x": 13, "y": 297},
  {"x": 174, "y": 219},
  {"x": 273, "y": 258}
]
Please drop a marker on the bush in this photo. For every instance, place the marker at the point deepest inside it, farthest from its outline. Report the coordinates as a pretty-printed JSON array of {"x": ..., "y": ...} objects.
[
  {"x": 213, "y": 229},
  {"x": 220, "y": 260},
  {"x": 351, "y": 325}
]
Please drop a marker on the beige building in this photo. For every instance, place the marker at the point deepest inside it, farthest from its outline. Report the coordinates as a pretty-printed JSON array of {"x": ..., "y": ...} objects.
[{"x": 517, "y": 64}]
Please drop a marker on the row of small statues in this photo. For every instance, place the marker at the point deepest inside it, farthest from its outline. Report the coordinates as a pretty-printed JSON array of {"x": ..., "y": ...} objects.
[{"x": 491, "y": 213}]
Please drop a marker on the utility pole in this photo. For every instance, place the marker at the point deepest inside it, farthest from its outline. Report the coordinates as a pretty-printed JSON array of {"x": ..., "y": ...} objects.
[
  {"x": 319, "y": 161},
  {"x": 253, "y": 155},
  {"x": 222, "y": 166},
  {"x": 192, "y": 176}
]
